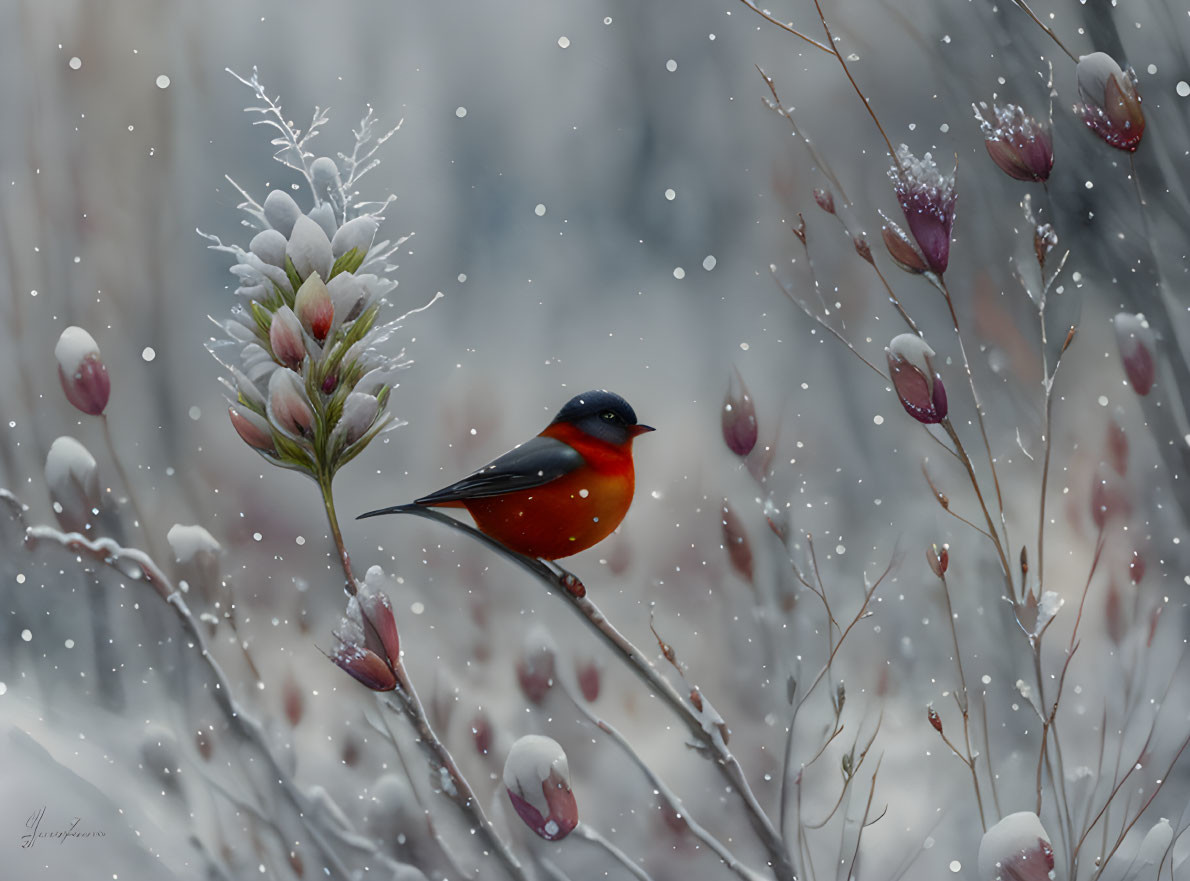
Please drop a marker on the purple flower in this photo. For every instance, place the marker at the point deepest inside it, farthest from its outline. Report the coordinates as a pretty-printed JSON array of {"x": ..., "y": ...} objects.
[
  {"x": 1016, "y": 849},
  {"x": 1019, "y": 144},
  {"x": 927, "y": 198},
  {"x": 917, "y": 385},
  {"x": 1111, "y": 104},
  {"x": 368, "y": 645},
  {"x": 739, "y": 416}
]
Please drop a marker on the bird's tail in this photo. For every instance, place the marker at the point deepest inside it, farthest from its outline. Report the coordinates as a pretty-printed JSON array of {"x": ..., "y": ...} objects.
[{"x": 395, "y": 509}]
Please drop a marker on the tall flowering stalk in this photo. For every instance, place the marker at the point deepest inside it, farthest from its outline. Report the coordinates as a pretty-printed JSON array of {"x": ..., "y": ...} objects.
[{"x": 309, "y": 382}]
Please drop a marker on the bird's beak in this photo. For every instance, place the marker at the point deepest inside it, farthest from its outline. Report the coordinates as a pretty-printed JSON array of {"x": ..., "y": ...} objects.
[{"x": 634, "y": 430}]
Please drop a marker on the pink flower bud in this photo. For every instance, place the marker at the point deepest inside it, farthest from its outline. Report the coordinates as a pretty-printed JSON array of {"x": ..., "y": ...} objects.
[
  {"x": 368, "y": 645},
  {"x": 918, "y": 386},
  {"x": 537, "y": 777},
  {"x": 863, "y": 249},
  {"x": 903, "y": 252},
  {"x": 81, "y": 371},
  {"x": 73, "y": 479},
  {"x": 735, "y": 539},
  {"x": 535, "y": 668},
  {"x": 253, "y": 429},
  {"x": 289, "y": 408},
  {"x": 1137, "y": 346},
  {"x": 927, "y": 199},
  {"x": 589, "y": 675},
  {"x": 1021, "y": 147},
  {"x": 739, "y": 416},
  {"x": 1111, "y": 103},
  {"x": 1016, "y": 849},
  {"x": 285, "y": 338},
  {"x": 313, "y": 307},
  {"x": 825, "y": 200}
]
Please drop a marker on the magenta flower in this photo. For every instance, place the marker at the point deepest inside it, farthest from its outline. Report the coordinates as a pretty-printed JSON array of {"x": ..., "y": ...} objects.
[
  {"x": 1111, "y": 103},
  {"x": 919, "y": 387},
  {"x": 1020, "y": 145},
  {"x": 927, "y": 198}
]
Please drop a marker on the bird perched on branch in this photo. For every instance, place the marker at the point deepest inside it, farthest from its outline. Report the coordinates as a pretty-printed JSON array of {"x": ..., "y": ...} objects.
[{"x": 559, "y": 493}]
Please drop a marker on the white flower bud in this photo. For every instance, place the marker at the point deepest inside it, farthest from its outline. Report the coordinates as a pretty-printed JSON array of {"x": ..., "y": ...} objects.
[
  {"x": 359, "y": 412},
  {"x": 187, "y": 542},
  {"x": 285, "y": 337},
  {"x": 269, "y": 246},
  {"x": 73, "y": 479},
  {"x": 357, "y": 233},
  {"x": 324, "y": 216},
  {"x": 289, "y": 408},
  {"x": 310, "y": 248},
  {"x": 281, "y": 212}
]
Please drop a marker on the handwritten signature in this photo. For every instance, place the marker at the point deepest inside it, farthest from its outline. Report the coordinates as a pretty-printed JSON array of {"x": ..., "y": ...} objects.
[{"x": 71, "y": 830}]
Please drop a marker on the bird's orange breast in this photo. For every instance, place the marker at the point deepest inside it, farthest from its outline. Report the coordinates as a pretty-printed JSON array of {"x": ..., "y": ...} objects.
[{"x": 566, "y": 515}]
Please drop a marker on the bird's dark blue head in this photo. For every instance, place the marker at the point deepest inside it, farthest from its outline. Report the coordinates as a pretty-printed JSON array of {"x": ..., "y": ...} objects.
[{"x": 603, "y": 415}]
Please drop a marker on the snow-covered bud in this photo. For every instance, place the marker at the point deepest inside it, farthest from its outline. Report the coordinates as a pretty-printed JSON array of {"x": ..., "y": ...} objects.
[
  {"x": 313, "y": 307},
  {"x": 927, "y": 199},
  {"x": 368, "y": 645},
  {"x": 325, "y": 177},
  {"x": 1016, "y": 849},
  {"x": 739, "y": 416},
  {"x": 863, "y": 249},
  {"x": 825, "y": 200},
  {"x": 1153, "y": 848},
  {"x": 347, "y": 297},
  {"x": 1137, "y": 346},
  {"x": 918, "y": 386},
  {"x": 1020, "y": 145},
  {"x": 71, "y": 474},
  {"x": 735, "y": 539},
  {"x": 269, "y": 245},
  {"x": 1111, "y": 103},
  {"x": 357, "y": 233},
  {"x": 934, "y": 719},
  {"x": 359, "y": 413},
  {"x": 589, "y": 675},
  {"x": 938, "y": 559},
  {"x": 535, "y": 669},
  {"x": 900, "y": 248},
  {"x": 537, "y": 777},
  {"x": 289, "y": 408},
  {"x": 253, "y": 429},
  {"x": 285, "y": 338},
  {"x": 81, "y": 371},
  {"x": 197, "y": 553},
  {"x": 309, "y": 248},
  {"x": 281, "y": 212}
]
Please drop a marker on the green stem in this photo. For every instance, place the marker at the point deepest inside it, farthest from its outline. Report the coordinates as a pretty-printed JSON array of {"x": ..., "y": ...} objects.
[{"x": 328, "y": 501}]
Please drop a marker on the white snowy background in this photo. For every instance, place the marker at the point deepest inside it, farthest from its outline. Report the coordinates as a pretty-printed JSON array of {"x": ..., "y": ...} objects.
[{"x": 598, "y": 192}]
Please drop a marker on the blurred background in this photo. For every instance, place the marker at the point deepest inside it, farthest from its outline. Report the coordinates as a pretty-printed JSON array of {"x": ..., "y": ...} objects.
[{"x": 598, "y": 192}]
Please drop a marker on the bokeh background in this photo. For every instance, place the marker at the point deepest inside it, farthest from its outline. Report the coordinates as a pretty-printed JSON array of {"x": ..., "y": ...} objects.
[{"x": 598, "y": 192}]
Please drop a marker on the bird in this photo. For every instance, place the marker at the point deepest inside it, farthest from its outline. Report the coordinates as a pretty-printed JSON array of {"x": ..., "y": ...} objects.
[{"x": 559, "y": 493}]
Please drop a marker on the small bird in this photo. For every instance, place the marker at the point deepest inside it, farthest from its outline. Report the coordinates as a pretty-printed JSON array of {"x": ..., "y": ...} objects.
[{"x": 559, "y": 493}]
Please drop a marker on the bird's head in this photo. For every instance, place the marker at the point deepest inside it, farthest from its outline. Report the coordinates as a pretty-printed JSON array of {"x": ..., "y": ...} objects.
[{"x": 603, "y": 415}]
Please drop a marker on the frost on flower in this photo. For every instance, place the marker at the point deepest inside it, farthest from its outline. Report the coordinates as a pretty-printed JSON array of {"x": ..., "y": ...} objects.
[
  {"x": 81, "y": 371},
  {"x": 1111, "y": 102},
  {"x": 309, "y": 381},
  {"x": 918, "y": 385},
  {"x": 1020, "y": 145},
  {"x": 1016, "y": 849},
  {"x": 927, "y": 198},
  {"x": 71, "y": 474},
  {"x": 537, "y": 777},
  {"x": 367, "y": 643}
]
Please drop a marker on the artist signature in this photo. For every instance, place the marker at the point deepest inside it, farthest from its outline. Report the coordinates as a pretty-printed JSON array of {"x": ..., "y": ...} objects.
[{"x": 35, "y": 833}]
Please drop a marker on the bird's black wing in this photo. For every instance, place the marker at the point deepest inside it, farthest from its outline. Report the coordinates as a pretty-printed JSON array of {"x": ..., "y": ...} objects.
[{"x": 532, "y": 464}]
